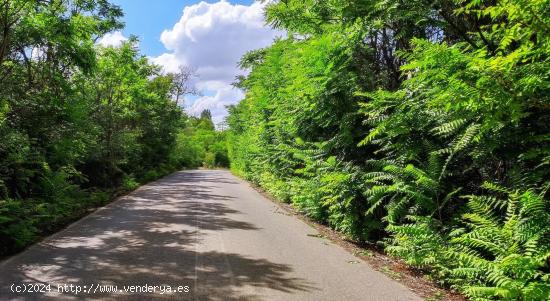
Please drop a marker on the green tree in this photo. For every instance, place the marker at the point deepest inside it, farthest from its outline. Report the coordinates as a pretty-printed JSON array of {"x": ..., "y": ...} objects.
[{"x": 79, "y": 123}]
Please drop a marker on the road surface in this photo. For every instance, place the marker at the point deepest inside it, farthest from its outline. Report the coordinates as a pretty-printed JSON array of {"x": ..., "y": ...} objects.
[{"x": 194, "y": 235}]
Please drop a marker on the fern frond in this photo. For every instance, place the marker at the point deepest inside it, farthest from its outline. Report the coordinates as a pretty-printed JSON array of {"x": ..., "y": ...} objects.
[{"x": 449, "y": 128}]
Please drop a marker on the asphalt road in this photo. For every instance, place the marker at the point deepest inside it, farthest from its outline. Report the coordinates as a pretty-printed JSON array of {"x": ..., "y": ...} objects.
[{"x": 205, "y": 232}]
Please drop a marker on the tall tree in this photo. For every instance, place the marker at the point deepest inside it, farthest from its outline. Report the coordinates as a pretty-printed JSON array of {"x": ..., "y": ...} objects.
[{"x": 182, "y": 83}]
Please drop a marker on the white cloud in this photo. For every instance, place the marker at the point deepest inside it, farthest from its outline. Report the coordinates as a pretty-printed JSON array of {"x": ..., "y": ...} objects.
[
  {"x": 212, "y": 37},
  {"x": 225, "y": 95},
  {"x": 168, "y": 61},
  {"x": 114, "y": 39}
]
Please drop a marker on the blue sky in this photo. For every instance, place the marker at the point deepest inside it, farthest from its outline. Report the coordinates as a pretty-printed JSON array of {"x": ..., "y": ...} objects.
[
  {"x": 209, "y": 36},
  {"x": 148, "y": 19}
]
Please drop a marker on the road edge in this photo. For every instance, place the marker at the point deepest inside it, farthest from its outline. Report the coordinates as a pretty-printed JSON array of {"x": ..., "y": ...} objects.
[
  {"x": 90, "y": 212},
  {"x": 379, "y": 261}
]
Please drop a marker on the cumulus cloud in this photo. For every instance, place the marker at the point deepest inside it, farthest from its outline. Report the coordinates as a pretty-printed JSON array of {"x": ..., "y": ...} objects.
[
  {"x": 114, "y": 39},
  {"x": 225, "y": 95},
  {"x": 212, "y": 37}
]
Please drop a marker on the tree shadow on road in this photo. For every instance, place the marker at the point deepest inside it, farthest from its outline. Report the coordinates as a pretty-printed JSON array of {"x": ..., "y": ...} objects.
[
  {"x": 209, "y": 176},
  {"x": 151, "y": 237}
]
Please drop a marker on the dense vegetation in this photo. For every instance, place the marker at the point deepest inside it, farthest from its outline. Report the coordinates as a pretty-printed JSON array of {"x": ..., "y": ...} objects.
[
  {"x": 420, "y": 125},
  {"x": 80, "y": 123}
]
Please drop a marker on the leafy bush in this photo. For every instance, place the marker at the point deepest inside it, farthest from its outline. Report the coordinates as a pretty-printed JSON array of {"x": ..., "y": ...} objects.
[
  {"x": 385, "y": 119},
  {"x": 129, "y": 183},
  {"x": 16, "y": 229},
  {"x": 209, "y": 160},
  {"x": 504, "y": 257}
]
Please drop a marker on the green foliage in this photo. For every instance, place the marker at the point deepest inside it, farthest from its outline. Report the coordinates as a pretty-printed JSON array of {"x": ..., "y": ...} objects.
[
  {"x": 500, "y": 253},
  {"x": 420, "y": 244},
  {"x": 386, "y": 119},
  {"x": 81, "y": 123},
  {"x": 200, "y": 144},
  {"x": 507, "y": 256}
]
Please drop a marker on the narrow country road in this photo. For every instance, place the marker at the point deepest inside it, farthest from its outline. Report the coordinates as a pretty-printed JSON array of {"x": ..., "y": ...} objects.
[{"x": 204, "y": 229}]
